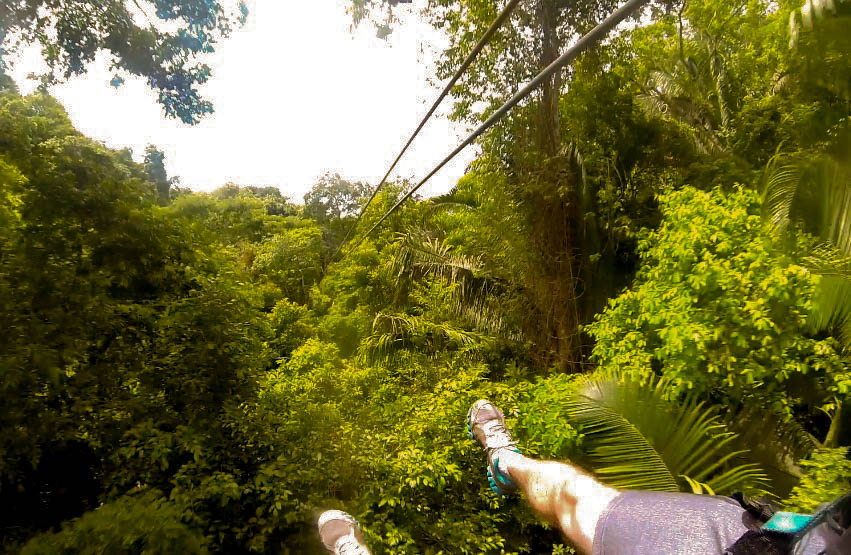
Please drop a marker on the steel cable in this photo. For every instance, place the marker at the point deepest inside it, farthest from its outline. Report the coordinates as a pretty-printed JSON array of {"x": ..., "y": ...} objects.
[
  {"x": 585, "y": 42},
  {"x": 497, "y": 23}
]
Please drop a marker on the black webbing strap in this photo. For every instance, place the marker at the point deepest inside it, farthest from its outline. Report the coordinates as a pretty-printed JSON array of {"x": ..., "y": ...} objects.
[
  {"x": 762, "y": 542},
  {"x": 761, "y": 510}
]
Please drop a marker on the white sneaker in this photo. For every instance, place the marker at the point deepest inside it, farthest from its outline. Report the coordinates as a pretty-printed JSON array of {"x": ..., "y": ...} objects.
[
  {"x": 486, "y": 424},
  {"x": 340, "y": 534}
]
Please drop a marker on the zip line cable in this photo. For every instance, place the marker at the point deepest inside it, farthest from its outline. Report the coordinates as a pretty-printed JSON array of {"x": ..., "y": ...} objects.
[
  {"x": 587, "y": 41},
  {"x": 497, "y": 23}
]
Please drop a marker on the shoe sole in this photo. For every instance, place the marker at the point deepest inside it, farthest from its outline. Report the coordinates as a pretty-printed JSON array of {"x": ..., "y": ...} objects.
[{"x": 332, "y": 515}]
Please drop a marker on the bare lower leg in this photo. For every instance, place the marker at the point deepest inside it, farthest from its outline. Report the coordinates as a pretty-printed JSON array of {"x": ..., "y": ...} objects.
[{"x": 563, "y": 495}]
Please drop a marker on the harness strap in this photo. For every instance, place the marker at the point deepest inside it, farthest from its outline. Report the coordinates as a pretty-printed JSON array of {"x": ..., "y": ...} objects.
[
  {"x": 762, "y": 542},
  {"x": 774, "y": 533},
  {"x": 760, "y": 509}
]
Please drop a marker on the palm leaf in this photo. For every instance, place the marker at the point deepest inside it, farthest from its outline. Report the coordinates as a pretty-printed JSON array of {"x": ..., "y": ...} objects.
[
  {"x": 722, "y": 84},
  {"x": 835, "y": 180},
  {"x": 420, "y": 255},
  {"x": 636, "y": 437},
  {"x": 449, "y": 206},
  {"x": 832, "y": 215},
  {"x": 816, "y": 193},
  {"x": 679, "y": 93},
  {"x": 780, "y": 183},
  {"x": 394, "y": 333},
  {"x": 774, "y": 441},
  {"x": 832, "y": 308}
]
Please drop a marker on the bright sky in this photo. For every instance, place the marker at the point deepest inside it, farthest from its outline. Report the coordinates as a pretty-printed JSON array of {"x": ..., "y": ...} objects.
[{"x": 296, "y": 94}]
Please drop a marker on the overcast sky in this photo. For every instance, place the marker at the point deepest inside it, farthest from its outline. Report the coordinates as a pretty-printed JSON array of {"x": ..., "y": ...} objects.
[{"x": 296, "y": 94}]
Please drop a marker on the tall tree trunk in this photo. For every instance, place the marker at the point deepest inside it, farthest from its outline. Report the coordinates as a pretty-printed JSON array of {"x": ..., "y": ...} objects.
[
  {"x": 555, "y": 212},
  {"x": 719, "y": 74},
  {"x": 551, "y": 89},
  {"x": 163, "y": 193},
  {"x": 838, "y": 425}
]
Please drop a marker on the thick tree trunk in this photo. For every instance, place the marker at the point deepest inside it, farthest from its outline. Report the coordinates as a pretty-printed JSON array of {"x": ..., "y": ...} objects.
[
  {"x": 556, "y": 214},
  {"x": 835, "y": 433},
  {"x": 163, "y": 193},
  {"x": 551, "y": 89}
]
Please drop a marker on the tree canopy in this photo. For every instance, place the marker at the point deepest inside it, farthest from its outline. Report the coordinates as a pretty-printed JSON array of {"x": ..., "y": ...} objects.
[{"x": 162, "y": 41}]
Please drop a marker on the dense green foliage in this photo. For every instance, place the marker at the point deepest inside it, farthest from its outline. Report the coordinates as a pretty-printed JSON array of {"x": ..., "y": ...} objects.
[
  {"x": 717, "y": 307},
  {"x": 827, "y": 477},
  {"x": 638, "y": 438},
  {"x": 134, "y": 524},
  {"x": 163, "y": 41},
  {"x": 647, "y": 268}
]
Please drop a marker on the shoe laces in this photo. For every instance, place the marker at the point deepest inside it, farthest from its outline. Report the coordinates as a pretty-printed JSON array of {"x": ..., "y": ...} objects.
[
  {"x": 349, "y": 545},
  {"x": 496, "y": 434}
]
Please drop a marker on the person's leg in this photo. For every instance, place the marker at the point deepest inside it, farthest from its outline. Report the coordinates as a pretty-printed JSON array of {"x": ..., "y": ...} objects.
[
  {"x": 558, "y": 492},
  {"x": 340, "y": 534},
  {"x": 563, "y": 495}
]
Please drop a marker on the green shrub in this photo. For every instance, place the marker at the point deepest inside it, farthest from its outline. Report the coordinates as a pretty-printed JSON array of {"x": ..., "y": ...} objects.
[
  {"x": 827, "y": 475},
  {"x": 718, "y": 307},
  {"x": 144, "y": 523}
]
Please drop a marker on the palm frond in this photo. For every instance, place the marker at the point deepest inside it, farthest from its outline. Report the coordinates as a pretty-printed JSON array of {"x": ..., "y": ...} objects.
[
  {"x": 774, "y": 441},
  {"x": 675, "y": 93},
  {"x": 780, "y": 182},
  {"x": 835, "y": 180},
  {"x": 816, "y": 192},
  {"x": 827, "y": 260},
  {"x": 393, "y": 333},
  {"x": 832, "y": 308},
  {"x": 475, "y": 302},
  {"x": 447, "y": 205},
  {"x": 636, "y": 437},
  {"x": 574, "y": 171},
  {"x": 722, "y": 86},
  {"x": 421, "y": 255}
]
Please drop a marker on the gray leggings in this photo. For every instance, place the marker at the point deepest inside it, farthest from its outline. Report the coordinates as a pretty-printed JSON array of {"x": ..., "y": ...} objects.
[{"x": 645, "y": 523}]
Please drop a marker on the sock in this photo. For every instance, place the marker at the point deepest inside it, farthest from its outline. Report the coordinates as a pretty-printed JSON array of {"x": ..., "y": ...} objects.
[{"x": 505, "y": 458}]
